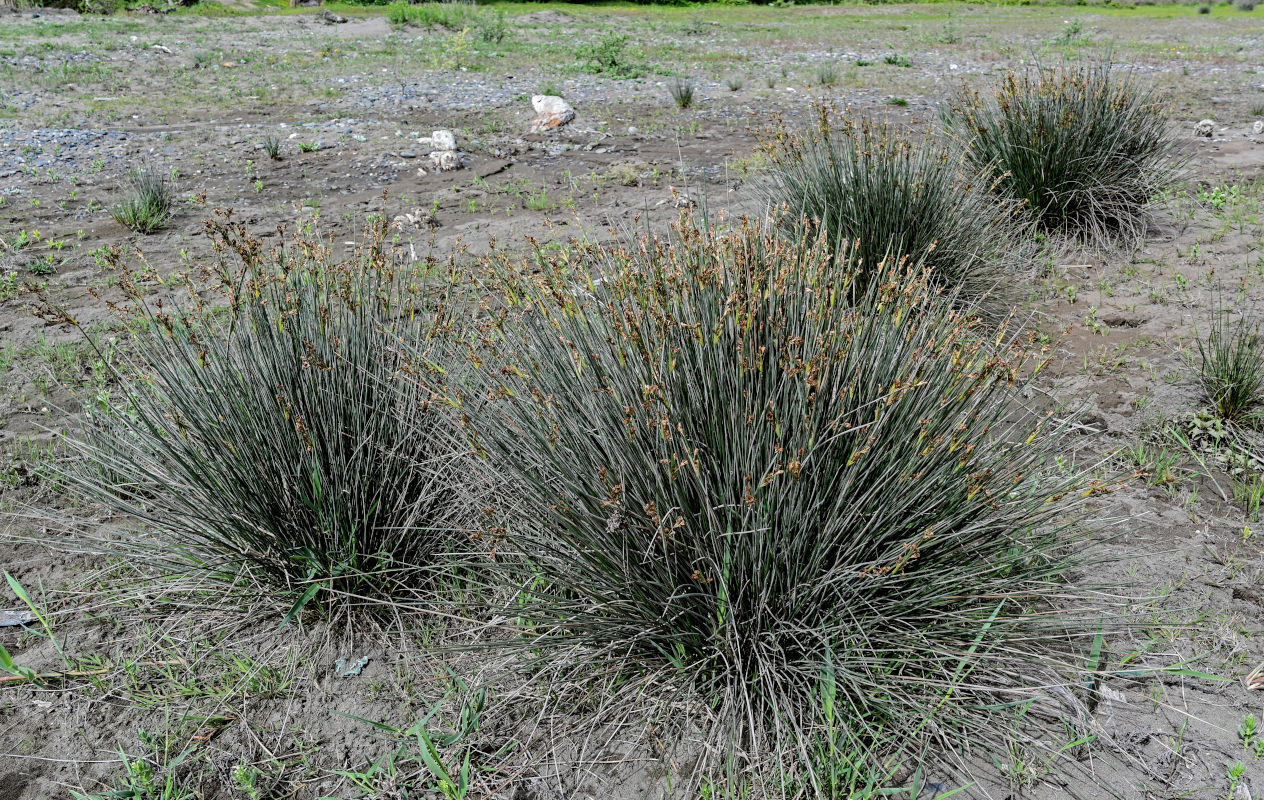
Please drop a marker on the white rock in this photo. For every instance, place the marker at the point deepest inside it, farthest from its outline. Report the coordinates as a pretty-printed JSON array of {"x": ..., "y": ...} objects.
[
  {"x": 406, "y": 222},
  {"x": 1205, "y": 128},
  {"x": 551, "y": 112},
  {"x": 1258, "y": 127},
  {"x": 444, "y": 160},
  {"x": 443, "y": 140}
]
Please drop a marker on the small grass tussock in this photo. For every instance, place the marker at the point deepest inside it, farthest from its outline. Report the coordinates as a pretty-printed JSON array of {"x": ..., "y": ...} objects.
[
  {"x": 267, "y": 432},
  {"x": 1086, "y": 148},
  {"x": 1230, "y": 366},
  {"x": 681, "y": 90},
  {"x": 146, "y": 207},
  {"x": 272, "y": 146},
  {"x": 826, "y": 74},
  {"x": 887, "y": 193},
  {"x": 796, "y": 496}
]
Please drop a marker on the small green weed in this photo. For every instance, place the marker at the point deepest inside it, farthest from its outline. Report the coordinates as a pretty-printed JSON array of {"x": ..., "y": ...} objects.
[
  {"x": 1249, "y": 732},
  {"x": 1218, "y": 197},
  {"x": 8, "y": 286}
]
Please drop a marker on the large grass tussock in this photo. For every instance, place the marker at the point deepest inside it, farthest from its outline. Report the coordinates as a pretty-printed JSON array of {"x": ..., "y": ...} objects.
[
  {"x": 884, "y": 192},
  {"x": 793, "y": 487},
  {"x": 1085, "y": 148},
  {"x": 269, "y": 432}
]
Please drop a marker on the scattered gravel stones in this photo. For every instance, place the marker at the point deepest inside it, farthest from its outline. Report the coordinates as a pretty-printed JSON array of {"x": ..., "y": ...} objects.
[
  {"x": 551, "y": 112},
  {"x": 44, "y": 147}
]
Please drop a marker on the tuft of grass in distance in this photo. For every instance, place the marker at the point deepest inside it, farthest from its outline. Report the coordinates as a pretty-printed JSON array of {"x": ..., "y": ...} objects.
[
  {"x": 1204, "y": 9},
  {"x": 681, "y": 90},
  {"x": 399, "y": 13},
  {"x": 826, "y": 74},
  {"x": 491, "y": 26},
  {"x": 1086, "y": 148},
  {"x": 1230, "y": 366},
  {"x": 1257, "y": 110},
  {"x": 1072, "y": 33},
  {"x": 871, "y": 184},
  {"x": 897, "y": 60},
  {"x": 735, "y": 83},
  {"x": 799, "y": 497},
  {"x": 609, "y": 56},
  {"x": 266, "y": 432},
  {"x": 146, "y": 207},
  {"x": 453, "y": 16},
  {"x": 897, "y": 101},
  {"x": 272, "y": 146}
]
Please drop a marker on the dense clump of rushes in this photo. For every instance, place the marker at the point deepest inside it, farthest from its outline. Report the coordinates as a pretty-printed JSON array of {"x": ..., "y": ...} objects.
[
  {"x": 886, "y": 192},
  {"x": 1085, "y": 148},
  {"x": 269, "y": 431},
  {"x": 791, "y": 487}
]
